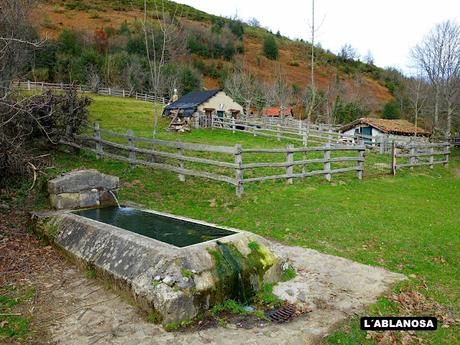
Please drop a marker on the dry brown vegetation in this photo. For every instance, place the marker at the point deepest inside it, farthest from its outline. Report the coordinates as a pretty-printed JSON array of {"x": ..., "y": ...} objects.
[{"x": 51, "y": 18}]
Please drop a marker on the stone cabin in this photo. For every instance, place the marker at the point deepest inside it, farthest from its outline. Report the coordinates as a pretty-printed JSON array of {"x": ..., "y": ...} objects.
[
  {"x": 398, "y": 130},
  {"x": 211, "y": 103}
]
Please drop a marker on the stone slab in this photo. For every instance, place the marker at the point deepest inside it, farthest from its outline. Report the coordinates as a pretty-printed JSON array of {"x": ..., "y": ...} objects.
[
  {"x": 81, "y": 180},
  {"x": 336, "y": 288}
]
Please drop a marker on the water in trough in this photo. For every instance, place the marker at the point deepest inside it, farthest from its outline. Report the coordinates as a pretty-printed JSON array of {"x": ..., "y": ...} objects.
[{"x": 177, "y": 232}]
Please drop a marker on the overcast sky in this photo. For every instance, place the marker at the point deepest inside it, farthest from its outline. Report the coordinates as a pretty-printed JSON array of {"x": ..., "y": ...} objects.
[{"x": 388, "y": 28}]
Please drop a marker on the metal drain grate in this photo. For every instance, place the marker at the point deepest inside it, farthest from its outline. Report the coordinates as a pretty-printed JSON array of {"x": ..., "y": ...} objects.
[{"x": 281, "y": 314}]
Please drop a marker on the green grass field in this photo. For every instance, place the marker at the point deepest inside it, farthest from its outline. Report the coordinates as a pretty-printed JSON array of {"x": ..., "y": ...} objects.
[{"x": 409, "y": 223}]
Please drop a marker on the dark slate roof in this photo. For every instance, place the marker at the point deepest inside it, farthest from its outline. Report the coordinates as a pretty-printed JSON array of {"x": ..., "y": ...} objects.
[{"x": 189, "y": 102}]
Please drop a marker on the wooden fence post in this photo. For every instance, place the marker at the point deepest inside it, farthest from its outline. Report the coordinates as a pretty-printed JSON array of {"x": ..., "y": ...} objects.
[
  {"x": 28, "y": 85},
  {"x": 97, "y": 137},
  {"x": 327, "y": 162},
  {"x": 136, "y": 94},
  {"x": 304, "y": 137},
  {"x": 132, "y": 153},
  {"x": 180, "y": 151},
  {"x": 62, "y": 86},
  {"x": 123, "y": 92},
  {"x": 446, "y": 155},
  {"x": 238, "y": 170},
  {"x": 431, "y": 159},
  {"x": 43, "y": 85},
  {"x": 289, "y": 163},
  {"x": 412, "y": 157},
  {"x": 360, "y": 170},
  {"x": 393, "y": 158},
  {"x": 278, "y": 131},
  {"x": 233, "y": 125}
]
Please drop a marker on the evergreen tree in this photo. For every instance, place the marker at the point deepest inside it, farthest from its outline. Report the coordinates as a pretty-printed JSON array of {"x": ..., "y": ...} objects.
[{"x": 270, "y": 48}]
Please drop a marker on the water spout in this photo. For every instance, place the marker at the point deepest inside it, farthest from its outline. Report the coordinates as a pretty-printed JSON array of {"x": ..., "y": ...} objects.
[{"x": 115, "y": 198}]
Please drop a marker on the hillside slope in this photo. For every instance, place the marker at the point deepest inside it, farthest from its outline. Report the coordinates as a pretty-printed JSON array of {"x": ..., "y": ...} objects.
[{"x": 52, "y": 17}]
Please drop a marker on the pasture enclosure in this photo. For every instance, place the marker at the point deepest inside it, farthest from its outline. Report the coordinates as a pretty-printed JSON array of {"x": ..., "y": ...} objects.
[
  {"x": 293, "y": 130},
  {"x": 235, "y": 165},
  {"x": 416, "y": 155},
  {"x": 104, "y": 91}
]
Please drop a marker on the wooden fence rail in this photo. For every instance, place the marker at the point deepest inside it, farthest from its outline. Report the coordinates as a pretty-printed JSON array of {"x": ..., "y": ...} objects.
[
  {"x": 236, "y": 162},
  {"x": 303, "y": 133},
  {"x": 105, "y": 91},
  {"x": 416, "y": 155}
]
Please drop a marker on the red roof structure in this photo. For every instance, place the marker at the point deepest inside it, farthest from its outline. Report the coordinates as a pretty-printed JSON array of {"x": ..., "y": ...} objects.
[{"x": 275, "y": 111}]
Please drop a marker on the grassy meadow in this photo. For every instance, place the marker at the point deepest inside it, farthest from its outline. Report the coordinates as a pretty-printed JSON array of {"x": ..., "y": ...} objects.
[{"x": 409, "y": 223}]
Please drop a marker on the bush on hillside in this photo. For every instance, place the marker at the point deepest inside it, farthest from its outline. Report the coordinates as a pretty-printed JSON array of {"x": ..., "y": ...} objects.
[
  {"x": 270, "y": 48},
  {"x": 392, "y": 110}
]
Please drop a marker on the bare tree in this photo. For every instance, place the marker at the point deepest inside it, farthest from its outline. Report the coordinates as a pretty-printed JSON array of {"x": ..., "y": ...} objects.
[
  {"x": 242, "y": 87},
  {"x": 417, "y": 92},
  {"x": 438, "y": 55},
  {"x": 162, "y": 38},
  {"x": 282, "y": 91},
  {"x": 312, "y": 101},
  {"x": 17, "y": 38}
]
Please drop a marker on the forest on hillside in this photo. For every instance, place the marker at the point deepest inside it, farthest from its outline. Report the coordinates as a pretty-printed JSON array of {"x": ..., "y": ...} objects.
[{"x": 178, "y": 47}]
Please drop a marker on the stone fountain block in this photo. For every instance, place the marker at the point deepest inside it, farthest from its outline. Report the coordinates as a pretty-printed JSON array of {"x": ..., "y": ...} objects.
[
  {"x": 176, "y": 283},
  {"x": 82, "y": 189}
]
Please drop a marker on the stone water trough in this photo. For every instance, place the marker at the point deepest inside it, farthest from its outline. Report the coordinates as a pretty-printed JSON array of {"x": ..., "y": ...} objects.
[{"x": 172, "y": 266}]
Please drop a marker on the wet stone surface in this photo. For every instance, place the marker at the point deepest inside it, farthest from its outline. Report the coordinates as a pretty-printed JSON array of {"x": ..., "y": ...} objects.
[{"x": 334, "y": 288}]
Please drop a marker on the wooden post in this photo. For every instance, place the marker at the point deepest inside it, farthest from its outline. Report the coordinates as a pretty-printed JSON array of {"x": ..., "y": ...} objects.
[
  {"x": 360, "y": 170},
  {"x": 62, "y": 86},
  {"x": 329, "y": 135},
  {"x": 97, "y": 137},
  {"x": 304, "y": 137},
  {"x": 431, "y": 159},
  {"x": 238, "y": 170},
  {"x": 123, "y": 92},
  {"x": 289, "y": 163},
  {"x": 304, "y": 166},
  {"x": 393, "y": 158},
  {"x": 254, "y": 128},
  {"x": 278, "y": 131},
  {"x": 180, "y": 151},
  {"x": 327, "y": 162},
  {"x": 43, "y": 85},
  {"x": 233, "y": 125},
  {"x": 382, "y": 144},
  {"x": 446, "y": 155},
  {"x": 136, "y": 94},
  {"x": 145, "y": 97},
  {"x": 28, "y": 85},
  {"x": 132, "y": 153},
  {"x": 412, "y": 159}
]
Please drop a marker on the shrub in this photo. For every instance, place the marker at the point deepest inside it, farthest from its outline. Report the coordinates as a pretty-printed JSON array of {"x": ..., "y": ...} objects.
[
  {"x": 391, "y": 110},
  {"x": 236, "y": 27},
  {"x": 270, "y": 48}
]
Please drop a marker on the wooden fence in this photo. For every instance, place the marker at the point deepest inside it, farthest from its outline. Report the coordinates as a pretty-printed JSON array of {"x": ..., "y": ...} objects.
[
  {"x": 105, "y": 91},
  {"x": 303, "y": 132},
  {"x": 416, "y": 155},
  {"x": 183, "y": 153}
]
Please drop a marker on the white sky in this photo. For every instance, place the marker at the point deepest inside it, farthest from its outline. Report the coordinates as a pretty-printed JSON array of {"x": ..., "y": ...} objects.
[{"x": 388, "y": 28}]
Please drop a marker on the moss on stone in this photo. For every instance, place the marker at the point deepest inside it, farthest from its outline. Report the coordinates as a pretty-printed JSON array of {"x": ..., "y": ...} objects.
[{"x": 240, "y": 277}]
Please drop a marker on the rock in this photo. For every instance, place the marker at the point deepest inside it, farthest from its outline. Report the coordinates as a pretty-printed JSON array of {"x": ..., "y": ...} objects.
[
  {"x": 89, "y": 199},
  {"x": 80, "y": 180},
  {"x": 81, "y": 189},
  {"x": 168, "y": 280},
  {"x": 157, "y": 278}
]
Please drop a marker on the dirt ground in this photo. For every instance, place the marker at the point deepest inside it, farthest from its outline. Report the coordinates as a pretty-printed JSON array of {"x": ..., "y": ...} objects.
[{"x": 69, "y": 308}]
